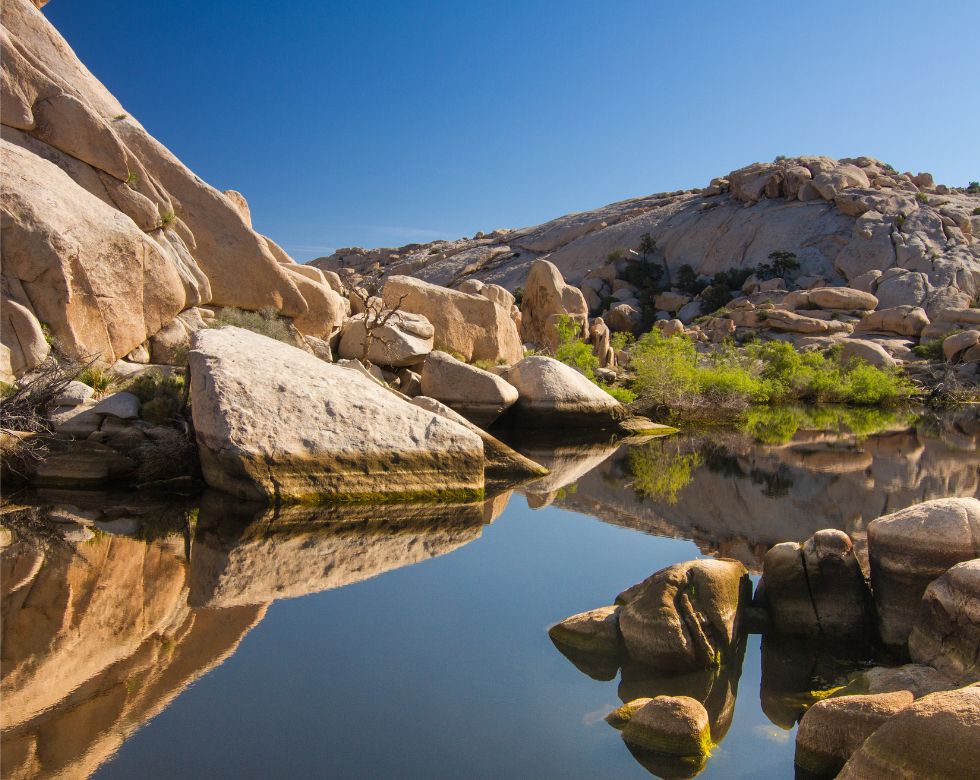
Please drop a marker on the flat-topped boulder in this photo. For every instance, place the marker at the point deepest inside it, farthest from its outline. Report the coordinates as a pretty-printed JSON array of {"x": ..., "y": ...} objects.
[
  {"x": 276, "y": 423},
  {"x": 910, "y": 548},
  {"x": 471, "y": 325},
  {"x": 478, "y": 395},
  {"x": 551, "y": 393}
]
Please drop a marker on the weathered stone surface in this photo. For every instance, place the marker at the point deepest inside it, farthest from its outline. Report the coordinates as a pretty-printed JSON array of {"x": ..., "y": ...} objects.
[
  {"x": 546, "y": 297},
  {"x": 910, "y": 548},
  {"x": 832, "y": 729},
  {"x": 404, "y": 340},
  {"x": 595, "y": 631},
  {"x": 274, "y": 422},
  {"x": 946, "y": 634},
  {"x": 671, "y": 301},
  {"x": 23, "y": 337},
  {"x": 918, "y": 679},
  {"x": 675, "y": 725},
  {"x": 845, "y": 298},
  {"x": 624, "y": 318},
  {"x": 817, "y": 588},
  {"x": 954, "y": 346},
  {"x": 866, "y": 350},
  {"x": 501, "y": 462},
  {"x": 74, "y": 394},
  {"x": 685, "y": 617},
  {"x": 904, "y": 320},
  {"x": 937, "y": 736},
  {"x": 478, "y": 395},
  {"x": 470, "y": 325},
  {"x": 551, "y": 393},
  {"x": 123, "y": 405},
  {"x": 81, "y": 464}
]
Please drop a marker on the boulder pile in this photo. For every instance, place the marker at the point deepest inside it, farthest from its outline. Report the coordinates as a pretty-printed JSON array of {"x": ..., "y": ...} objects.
[{"x": 820, "y": 619}]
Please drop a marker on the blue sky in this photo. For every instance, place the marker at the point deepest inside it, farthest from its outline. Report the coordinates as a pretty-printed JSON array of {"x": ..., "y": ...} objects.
[{"x": 380, "y": 123}]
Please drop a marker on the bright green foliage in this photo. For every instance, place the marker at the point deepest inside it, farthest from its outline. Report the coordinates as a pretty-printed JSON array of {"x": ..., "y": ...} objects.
[
  {"x": 572, "y": 350},
  {"x": 167, "y": 218},
  {"x": 670, "y": 374},
  {"x": 622, "y": 394},
  {"x": 621, "y": 340},
  {"x": 267, "y": 322},
  {"x": 659, "y": 472},
  {"x": 778, "y": 424},
  {"x": 98, "y": 379}
]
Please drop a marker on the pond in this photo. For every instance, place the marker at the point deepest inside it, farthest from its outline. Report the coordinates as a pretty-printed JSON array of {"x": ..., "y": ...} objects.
[{"x": 145, "y": 636}]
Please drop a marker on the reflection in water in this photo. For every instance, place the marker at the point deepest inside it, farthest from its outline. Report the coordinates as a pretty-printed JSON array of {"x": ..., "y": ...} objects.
[
  {"x": 737, "y": 497},
  {"x": 106, "y": 618},
  {"x": 113, "y": 606}
]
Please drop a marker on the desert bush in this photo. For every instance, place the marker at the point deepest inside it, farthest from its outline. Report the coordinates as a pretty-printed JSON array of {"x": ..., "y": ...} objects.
[
  {"x": 622, "y": 394},
  {"x": 673, "y": 378},
  {"x": 100, "y": 380},
  {"x": 572, "y": 350},
  {"x": 162, "y": 396},
  {"x": 660, "y": 472},
  {"x": 930, "y": 350},
  {"x": 266, "y": 321}
]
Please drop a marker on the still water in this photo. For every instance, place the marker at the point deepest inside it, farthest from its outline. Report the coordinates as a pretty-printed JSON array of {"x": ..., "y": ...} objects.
[{"x": 147, "y": 639}]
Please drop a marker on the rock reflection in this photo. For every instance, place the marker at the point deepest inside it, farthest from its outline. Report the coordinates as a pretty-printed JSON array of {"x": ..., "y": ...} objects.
[
  {"x": 112, "y": 605},
  {"x": 737, "y": 497},
  {"x": 246, "y": 554}
]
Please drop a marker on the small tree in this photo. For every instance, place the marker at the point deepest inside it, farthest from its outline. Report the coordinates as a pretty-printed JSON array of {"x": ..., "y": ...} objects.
[{"x": 376, "y": 316}]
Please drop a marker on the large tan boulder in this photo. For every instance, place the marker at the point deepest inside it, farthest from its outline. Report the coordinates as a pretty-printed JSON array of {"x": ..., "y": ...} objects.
[
  {"x": 685, "y": 617},
  {"x": 274, "y": 422},
  {"x": 936, "y": 736},
  {"x": 96, "y": 279},
  {"x": 480, "y": 396},
  {"x": 829, "y": 183},
  {"x": 404, "y": 340},
  {"x": 955, "y": 345},
  {"x": 547, "y": 297},
  {"x": 471, "y": 326},
  {"x": 832, "y": 729},
  {"x": 553, "y": 394},
  {"x": 21, "y": 334},
  {"x": 869, "y": 351},
  {"x": 845, "y": 298},
  {"x": 904, "y": 320},
  {"x": 125, "y": 236},
  {"x": 946, "y": 634},
  {"x": 910, "y": 548},
  {"x": 817, "y": 588}
]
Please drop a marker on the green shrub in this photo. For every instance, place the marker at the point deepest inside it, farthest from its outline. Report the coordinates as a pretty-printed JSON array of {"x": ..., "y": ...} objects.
[
  {"x": 622, "y": 394},
  {"x": 267, "y": 322},
  {"x": 688, "y": 280},
  {"x": 161, "y": 395},
  {"x": 780, "y": 263},
  {"x": 921, "y": 197},
  {"x": 621, "y": 340},
  {"x": 930, "y": 350},
  {"x": 132, "y": 177},
  {"x": 976, "y": 211},
  {"x": 671, "y": 376},
  {"x": 98, "y": 379},
  {"x": 167, "y": 218},
  {"x": 518, "y": 296},
  {"x": 573, "y": 350},
  {"x": 714, "y": 297}
]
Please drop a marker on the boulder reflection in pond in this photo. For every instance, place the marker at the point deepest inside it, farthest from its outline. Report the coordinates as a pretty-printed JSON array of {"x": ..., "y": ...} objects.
[
  {"x": 736, "y": 497},
  {"x": 250, "y": 554},
  {"x": 97, "y": 638},
  {"x": 798, "y": 672}
]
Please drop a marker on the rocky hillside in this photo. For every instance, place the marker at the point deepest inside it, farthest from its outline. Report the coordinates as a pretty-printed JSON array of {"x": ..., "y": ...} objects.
[
  {"x": 842, "y": 219},
  {"x": 106, "y": 235}
]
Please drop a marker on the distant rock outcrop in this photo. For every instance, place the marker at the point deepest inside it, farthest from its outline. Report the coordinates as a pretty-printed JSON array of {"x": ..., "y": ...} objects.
[{"x": 843, "y": 219}]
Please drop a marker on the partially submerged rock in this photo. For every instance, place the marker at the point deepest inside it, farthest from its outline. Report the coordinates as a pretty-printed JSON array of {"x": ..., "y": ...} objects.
[
  {"x": 553, "y": 394},
  {"x": 478, "y": 395},
  {"x": 817, "y": 589},
  {"x": 595, "y": 631},
  {"x": 832, "y": 729},
  {"x": 946, "y": 634},
  {"x": 276, "y": 423},
  {"x": 674, "y": 725},
  {"x": 937, "y": 736},
  {"x": 685, "y": 617},
  {"x": 910, "y": 548}
]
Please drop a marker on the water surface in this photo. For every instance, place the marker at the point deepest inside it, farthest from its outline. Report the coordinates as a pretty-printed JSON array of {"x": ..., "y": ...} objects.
[{"x": 213, "y": 639}]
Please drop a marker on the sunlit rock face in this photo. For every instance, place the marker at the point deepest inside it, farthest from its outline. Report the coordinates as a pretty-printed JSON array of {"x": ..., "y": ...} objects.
[
  {"x": 250, "y": 557},
  {"x": 737, "y": 498},
  {"x": 98, "y": 638}
]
